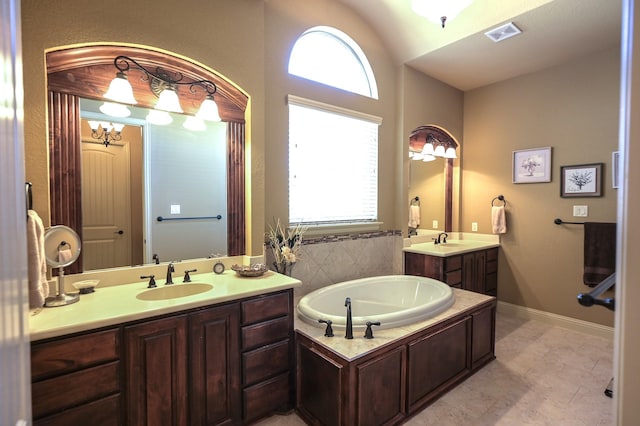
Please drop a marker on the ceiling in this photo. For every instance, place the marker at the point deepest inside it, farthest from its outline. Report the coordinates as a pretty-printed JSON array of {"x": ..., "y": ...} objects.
[{"x": 553, "y": 31}]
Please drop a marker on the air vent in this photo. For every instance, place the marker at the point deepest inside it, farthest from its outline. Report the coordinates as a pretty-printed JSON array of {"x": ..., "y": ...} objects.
[{"x": 503, "y": 32}]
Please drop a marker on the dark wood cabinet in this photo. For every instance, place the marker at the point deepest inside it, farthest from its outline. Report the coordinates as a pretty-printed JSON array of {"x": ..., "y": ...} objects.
[
  {"x": 215, "y": 366},
  {"x": 76, "y": 380},
  {"x": 394, "y": 382},
  {"x": 226, "y": 364},
  {"x": 475, "y": 271},
  {"x": 267, "y": 355},
  {"x": 156, "y": 372}
]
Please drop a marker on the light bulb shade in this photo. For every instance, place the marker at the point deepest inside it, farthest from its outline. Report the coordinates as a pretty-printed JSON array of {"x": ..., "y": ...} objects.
[
  {"x": 120, "y": 90},
  {"x": 428, "y": 158},
  {"x": 434, "y": 10},
  {"x": 417, "y": 156},
  {"x": 209, "y": 110},
  {"x": 115, "y": 110},
  {"x": 160, "y": 118},
  {"x": 168, "y": 101},
  {"x": 94, "y": 124},
  {"x": 427, "y": 149},
  {"x": 194, "y": 124},
  {"x": 450, "y": 153},
  {"x": 439, "y": 151},
  {"x": 117, "y": 127}
]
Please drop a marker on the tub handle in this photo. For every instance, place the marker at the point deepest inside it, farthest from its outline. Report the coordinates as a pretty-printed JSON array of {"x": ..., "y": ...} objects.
[
  {"x": 328, "y": 332},
  {"x": 368, "y": 334}
]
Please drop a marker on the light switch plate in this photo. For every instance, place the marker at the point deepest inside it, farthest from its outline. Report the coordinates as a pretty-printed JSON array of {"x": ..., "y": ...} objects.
[
  {"x": 175, "y": 208},
  {"x": 580, "y": 211}
]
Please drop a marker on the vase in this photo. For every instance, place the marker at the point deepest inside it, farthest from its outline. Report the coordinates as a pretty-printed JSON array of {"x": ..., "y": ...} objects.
[{"x": 283, "y": 268}]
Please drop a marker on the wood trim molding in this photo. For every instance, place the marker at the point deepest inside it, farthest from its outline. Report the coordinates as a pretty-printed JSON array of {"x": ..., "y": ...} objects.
[{"x": 86, "y": 72}]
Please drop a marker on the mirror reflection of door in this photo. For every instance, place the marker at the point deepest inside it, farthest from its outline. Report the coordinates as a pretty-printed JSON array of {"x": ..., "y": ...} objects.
[{"x": 108, "y": 187}]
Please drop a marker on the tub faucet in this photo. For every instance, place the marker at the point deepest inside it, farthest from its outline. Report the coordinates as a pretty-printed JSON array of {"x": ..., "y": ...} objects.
[
  {"x": 170, "y": 270},
  {"x": 349, "y": 330}
]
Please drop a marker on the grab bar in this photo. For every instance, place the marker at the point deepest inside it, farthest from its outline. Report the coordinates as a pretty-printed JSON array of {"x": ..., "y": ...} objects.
[
  {"x": 161, "y": 219},
  {"x": 590, "y": 299}
]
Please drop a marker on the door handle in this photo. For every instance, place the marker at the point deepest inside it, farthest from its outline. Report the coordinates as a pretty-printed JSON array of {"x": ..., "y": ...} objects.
[{"x": 119, "y": 232}]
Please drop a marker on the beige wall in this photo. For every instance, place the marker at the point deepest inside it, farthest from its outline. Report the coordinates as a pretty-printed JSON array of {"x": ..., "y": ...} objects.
[
  {"x": 425, "y": 100},
  {"x": 574, "y": 109}
]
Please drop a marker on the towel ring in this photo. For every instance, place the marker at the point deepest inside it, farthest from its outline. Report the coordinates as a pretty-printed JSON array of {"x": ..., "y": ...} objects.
[
  {"x": 500, "y": 198},
  {"x": 63, "y": 245},
  {"x": 415, "y": 201}
]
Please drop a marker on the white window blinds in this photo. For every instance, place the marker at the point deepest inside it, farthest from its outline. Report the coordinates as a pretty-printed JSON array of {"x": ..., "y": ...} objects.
[{"x": 333, "y": 164}]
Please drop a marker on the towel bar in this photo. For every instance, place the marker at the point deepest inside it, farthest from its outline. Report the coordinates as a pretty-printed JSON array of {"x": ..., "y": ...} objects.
[
  {"x": 559, "y": 221},
  {"x": 500, "y": 198},
  {"x": 160, "y": 218}
]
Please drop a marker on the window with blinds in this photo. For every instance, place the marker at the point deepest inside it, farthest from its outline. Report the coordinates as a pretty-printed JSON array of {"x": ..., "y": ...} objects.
[{"x": 333, "y": 164}]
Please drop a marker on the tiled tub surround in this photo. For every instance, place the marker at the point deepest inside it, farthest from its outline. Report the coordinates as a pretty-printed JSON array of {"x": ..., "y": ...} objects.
[{"x": 337, "y": 258}]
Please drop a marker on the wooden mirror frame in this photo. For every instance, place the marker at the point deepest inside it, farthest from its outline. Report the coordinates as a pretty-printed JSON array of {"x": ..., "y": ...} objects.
[
  {"x": 417, "y": 140},
  {"x": 86, "y": 72}
]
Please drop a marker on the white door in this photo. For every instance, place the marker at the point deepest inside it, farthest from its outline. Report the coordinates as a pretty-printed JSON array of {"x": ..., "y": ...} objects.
[{"x": 106, "y": 205}]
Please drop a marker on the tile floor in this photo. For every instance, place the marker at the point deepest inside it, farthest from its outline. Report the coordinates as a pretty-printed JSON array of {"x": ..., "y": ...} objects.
[{"x": 542, "y": 375}]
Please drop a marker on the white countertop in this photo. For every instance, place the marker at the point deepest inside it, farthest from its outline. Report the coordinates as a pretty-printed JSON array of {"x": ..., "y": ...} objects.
[
  {"x": 457, "y": 243},
  {"x": 117, "y": 304},
  {"x": 358, "y": 346}
]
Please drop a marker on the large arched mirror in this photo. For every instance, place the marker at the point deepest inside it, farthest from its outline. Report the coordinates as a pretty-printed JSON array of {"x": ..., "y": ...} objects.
[
  {"x": 432, "y": 175},
  {"x": 79, "y": 76}
]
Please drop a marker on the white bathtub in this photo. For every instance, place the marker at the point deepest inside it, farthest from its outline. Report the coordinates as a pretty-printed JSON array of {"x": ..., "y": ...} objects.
[{"x": 394, "y": 300}]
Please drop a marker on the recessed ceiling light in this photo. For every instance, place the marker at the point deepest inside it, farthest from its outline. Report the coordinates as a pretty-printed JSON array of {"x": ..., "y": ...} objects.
[{"x": 503, "y": 32}]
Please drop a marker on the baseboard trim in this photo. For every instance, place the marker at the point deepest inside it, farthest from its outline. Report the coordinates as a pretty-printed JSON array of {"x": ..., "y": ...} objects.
[{"x": 555, "y": 319}]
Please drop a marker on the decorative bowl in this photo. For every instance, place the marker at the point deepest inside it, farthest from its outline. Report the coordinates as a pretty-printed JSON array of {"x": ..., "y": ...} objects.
[
  {"x": 86, "y": 286},
  {"x": 253, "y": 270}
]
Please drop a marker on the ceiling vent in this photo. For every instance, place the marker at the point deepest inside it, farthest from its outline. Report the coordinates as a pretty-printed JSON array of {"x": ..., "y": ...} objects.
[{"x": 503, "y": 32}]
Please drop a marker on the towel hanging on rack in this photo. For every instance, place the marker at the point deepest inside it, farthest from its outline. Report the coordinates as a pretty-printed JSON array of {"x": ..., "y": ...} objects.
[
  {"x": 414, "y": 215},
  {"x": 498, "y": 220}
]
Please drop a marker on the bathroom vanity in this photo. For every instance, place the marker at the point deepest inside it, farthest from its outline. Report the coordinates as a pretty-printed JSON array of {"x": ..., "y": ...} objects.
[
  {"x": 220, "y": 357},
  {"x": 467, "y": 264}
]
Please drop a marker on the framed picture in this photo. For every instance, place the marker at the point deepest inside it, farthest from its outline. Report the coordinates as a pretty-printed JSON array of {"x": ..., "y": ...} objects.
[
  {"x": 532, "y": 165},
  {"x": 615, "y": 169},
  {"x": 584, "y": 180}
]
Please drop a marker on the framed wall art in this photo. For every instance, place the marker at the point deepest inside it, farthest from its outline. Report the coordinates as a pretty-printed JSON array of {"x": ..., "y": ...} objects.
[
  {"x": 532, "y": 165},
  {"x": 583, "y": 180}
]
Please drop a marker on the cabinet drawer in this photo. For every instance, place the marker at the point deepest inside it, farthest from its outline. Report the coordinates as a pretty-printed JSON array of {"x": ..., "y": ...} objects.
[
  {"x": 492, "y": 254},
  {"x": 56, "y": 394},
  {"x": 264, "y": 333},
  {"x": 104, "y": 412},
  {"x": 452, "y": 263},
  {"x": 265, "y": 362},
  {"x": 265, "y": 307},
  {"x": 73, "y": 353},
  {"x": 266, "y": 397},
  {"x": 453, "y": 278}
]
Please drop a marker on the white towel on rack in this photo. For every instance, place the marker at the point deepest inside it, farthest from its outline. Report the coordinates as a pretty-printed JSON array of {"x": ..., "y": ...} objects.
[
  {"x": 36, "y": 262},
  {"x": 498, "y": 220},
  {"x": 414, "y": 216}
]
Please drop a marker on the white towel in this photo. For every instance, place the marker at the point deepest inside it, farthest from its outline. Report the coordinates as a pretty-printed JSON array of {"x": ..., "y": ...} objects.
[
  {"x": 64, "y": 255},
  {"x": 498, "y": 220},
  {"x": 414, "y": 216},
  {"x": 36, "y": 262}
]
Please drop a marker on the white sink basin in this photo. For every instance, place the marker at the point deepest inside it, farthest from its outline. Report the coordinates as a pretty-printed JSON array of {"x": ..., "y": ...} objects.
[{"x": 174, "y": 291}]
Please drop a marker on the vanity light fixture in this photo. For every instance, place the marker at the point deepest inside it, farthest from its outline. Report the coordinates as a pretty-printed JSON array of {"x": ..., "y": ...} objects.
[
  {"x": 105, "y": 131},
  {"x": 426, "y": 146},
  {"x": 439, "y": 11},
  {"x": 163, "y": 85}
]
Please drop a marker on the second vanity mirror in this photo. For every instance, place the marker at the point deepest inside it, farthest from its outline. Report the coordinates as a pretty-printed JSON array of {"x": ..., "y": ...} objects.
[
  {"x": 432, "y": 181},
  {"x": 77, "y": 79}
]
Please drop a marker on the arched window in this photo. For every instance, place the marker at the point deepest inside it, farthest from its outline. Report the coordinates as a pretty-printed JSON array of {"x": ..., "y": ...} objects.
[{"x": 331, "y": 57}]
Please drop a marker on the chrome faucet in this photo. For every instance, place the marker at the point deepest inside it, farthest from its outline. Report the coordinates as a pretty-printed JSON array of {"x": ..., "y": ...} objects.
[
  {"x": 349, "y": 330},
  {"x": 442, "y": 238},
  {"x": 170, "y": 270}
]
